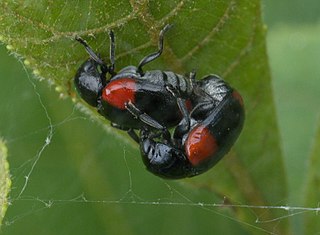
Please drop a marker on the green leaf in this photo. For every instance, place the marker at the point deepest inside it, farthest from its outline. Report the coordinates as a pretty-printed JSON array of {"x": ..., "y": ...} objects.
[
  {"x": 211, "y": 36},
  {"x": 5, "y": 182},
  {"x": 294, "y": 56},
  {"x": 313, "y": 189}
]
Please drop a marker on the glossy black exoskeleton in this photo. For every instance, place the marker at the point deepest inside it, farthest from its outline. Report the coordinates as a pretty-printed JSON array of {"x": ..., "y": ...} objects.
[
  {"x": 208, "y": 114},
  {"x": 203, "y": 136},
  {"x": 132, "y": 98}
]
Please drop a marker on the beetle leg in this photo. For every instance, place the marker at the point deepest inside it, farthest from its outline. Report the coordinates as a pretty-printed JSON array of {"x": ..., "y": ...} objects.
[
  {"x": 145, "y": 118},
  {"x": 181, "y": 104},
  {"x": 184, "y": 110},
  {"x": 130, "y": 131},
  {"x": 133, "y": 135},
  {"x": 156, "y": 54}
]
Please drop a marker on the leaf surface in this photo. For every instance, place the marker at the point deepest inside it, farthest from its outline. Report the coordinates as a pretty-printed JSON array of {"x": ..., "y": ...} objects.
[{"x": 221, "y": 37}]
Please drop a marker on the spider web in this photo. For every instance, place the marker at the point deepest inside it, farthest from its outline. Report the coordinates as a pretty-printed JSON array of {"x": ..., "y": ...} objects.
[
  {"x": 63, "y": 173},
  {"x": 27, "y": 201}
]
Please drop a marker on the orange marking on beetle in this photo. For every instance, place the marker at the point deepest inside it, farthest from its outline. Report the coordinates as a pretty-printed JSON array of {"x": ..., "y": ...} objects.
[
  {"x": 119, "y": 92},
  {"x": 200, "y": 145}
]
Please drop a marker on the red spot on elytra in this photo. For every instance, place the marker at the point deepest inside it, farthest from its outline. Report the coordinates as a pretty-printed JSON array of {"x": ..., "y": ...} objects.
[
  {"x": 119, "y": 92},
  {"x": 200, "y": 145}
]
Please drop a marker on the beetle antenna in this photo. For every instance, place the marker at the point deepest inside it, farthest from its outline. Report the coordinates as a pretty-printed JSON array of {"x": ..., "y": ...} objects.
[
  {"x": 91, "y": 53},
  {"x": 112, "y": 52},
  {"x": 156, "y": 54}
]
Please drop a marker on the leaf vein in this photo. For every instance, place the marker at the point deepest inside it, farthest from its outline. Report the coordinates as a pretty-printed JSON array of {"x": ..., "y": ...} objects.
[
  {"x": 172, "y": 13},
  {"x": 216, "y": 28},
  {"x": 56, "y": 34},
  {"x": 245, "y": 50}
]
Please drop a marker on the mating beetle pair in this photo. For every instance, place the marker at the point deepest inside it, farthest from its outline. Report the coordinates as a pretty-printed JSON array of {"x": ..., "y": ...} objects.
[{"x": 207, "y": 115}]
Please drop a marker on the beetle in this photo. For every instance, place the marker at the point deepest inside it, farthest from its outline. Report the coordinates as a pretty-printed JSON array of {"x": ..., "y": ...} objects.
[
  {"x": 133, "y": 98},
  {"x": 202, "y": 137},
  {"x": 207, "y": 115}
]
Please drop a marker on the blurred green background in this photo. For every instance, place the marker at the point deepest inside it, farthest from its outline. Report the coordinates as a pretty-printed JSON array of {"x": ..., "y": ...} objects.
[
  {"x": 62, "y": 178},
  {"x": 294, "y": 55}
]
